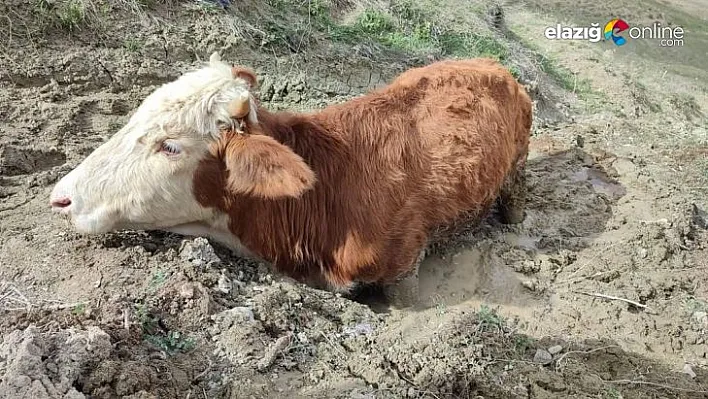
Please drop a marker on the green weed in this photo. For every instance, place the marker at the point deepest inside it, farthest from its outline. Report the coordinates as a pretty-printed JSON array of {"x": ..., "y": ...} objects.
[
  {"x": 72, "y": 14},
  {"x": 612, "y": 393},
  {"x": 172, "y": 343},
  {"x": 69, "y": 15},
  {"x": 489, "y": 317},
  {"x": 522, "y": 343},
  {"x": 79, "y": 309},
  {"x": 147, "y": 321},
  {"x": 133, "y": 45},
  {"x": 157, "y": 280}
]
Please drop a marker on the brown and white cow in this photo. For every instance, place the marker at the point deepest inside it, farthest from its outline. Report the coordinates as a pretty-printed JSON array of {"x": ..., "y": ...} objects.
[{"x": 349, "y": 194}]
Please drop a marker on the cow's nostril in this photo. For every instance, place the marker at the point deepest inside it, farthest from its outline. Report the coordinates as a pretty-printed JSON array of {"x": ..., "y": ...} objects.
[{"x": 61, "y": 202}]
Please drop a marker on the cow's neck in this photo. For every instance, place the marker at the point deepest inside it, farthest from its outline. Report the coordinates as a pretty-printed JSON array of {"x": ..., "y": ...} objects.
[
  {"x": 306, "y": 135},
  {"x": 289, "y": 231}
]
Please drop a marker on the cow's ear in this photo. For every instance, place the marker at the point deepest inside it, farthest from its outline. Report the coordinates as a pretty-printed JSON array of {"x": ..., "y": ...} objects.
[
  {"x": 259, "y": 165},
  {"x": 246, "y": 74}
]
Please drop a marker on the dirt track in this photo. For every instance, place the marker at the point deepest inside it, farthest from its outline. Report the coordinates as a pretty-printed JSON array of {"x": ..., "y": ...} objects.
[{"x": 617, "y": 213}]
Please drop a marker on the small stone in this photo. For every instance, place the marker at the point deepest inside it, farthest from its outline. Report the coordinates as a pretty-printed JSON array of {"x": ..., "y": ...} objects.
[
  {"x": 555, "y": 349},
  {"x": 579, "y": 141},
  {"x": 528, "y": 267},
  {"x": 701, "y": 317},
  {"x": 700, "y": 217},
  {"x": 359, "y": 329},
  {"x": 529, "y": 285},
  {"x": 302, "y": 337},
  {"x": 687, "y": 369},
  {"x": 199, "y": 252},
  {"x": 186, "y": 291},
  {"x": 642, "y": 253},
  {"x": 542, "y": 357},
  {"x": 224, "y": 284}
]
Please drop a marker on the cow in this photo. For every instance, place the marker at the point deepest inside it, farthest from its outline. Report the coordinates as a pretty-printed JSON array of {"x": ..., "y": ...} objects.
[{"x": 343, "y": 197}]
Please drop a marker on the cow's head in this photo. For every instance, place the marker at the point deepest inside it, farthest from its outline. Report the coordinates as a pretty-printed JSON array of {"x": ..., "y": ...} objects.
[{"x": 143, "y": 177}]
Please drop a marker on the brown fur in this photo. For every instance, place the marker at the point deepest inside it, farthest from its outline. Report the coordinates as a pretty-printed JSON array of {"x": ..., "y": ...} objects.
[{"x": 352, "y": 193}]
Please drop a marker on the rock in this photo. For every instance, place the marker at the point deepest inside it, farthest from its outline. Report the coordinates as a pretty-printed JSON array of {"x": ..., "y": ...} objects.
[
  {"x": 687, "y": 369},
  {"x": 579, "y": 141},
  {"x": 642, "y": 252},
  {"x": 224, "y": 285},
  {"x": 624, "y": 166},
  {"x": 529, "y": 285},
  {"x": 199, "y": 252},
  {"x": 555, "y": 349},
  {"x": 700, "y": 317},
  {"x": 359, "y": 329},
  {"x": 542, "y": 356},
  {"x": 272, "y": 352},
  {"x": 528, "y": 267},
  {"x": 700, "y": 217},
  {"x": 186, "y": 291}
]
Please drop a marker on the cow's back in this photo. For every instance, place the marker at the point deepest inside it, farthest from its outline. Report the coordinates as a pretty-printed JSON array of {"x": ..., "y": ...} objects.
[{"x": 474, "y": 123}]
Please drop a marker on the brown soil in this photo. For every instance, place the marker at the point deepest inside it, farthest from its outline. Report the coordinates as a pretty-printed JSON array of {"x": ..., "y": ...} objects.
[{"x": 602, "y": 292}]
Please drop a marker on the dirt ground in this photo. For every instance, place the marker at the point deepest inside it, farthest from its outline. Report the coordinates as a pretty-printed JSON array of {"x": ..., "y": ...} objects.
[{"x": 602, "y": 292}]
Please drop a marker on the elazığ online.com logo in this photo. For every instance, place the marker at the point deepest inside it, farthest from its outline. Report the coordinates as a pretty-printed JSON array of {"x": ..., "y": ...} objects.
[{"x": 617, "y": 31}]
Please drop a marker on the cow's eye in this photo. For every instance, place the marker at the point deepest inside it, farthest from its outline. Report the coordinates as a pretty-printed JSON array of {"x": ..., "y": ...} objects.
[{"x": 170, "y": 147}]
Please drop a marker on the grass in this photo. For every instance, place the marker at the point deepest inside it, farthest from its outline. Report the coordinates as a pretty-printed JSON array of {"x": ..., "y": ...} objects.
[
  {"x": 133, "y": 45},
  {"x": 411, "y": 29},
  {"x": 561, "y": 75},
  {"x": 404, "y": 27},
  {"x": 69, "y": 15},
  {"x": 407, "y": 27}
]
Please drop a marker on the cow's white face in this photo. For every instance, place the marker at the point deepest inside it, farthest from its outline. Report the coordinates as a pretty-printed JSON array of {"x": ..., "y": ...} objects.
[{"x": 142, "y": 178}]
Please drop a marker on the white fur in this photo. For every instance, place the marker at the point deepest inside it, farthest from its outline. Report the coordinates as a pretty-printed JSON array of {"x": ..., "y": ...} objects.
[{"x": 127, "y": 183}]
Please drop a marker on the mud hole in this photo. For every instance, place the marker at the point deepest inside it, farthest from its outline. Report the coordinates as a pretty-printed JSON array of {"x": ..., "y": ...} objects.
[{"x": 537, "y": 310}]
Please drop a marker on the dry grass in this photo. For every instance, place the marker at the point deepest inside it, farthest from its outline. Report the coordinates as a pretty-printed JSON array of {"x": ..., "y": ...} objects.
[{"x": 12, "y": 299}]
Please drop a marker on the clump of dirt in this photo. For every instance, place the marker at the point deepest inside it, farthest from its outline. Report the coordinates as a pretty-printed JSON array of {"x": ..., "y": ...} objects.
[{"x": 41, "y": 364}]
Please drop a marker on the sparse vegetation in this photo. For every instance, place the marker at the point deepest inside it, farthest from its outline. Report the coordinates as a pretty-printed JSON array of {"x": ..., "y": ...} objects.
[
  {"x": 687, "y": 105},
  {"x": 70, "y": 14},
  {"x": 133, "y": 45},
  {"x": 172, "y": 343},
  {"x": 612, "y": 393},
  {"x": 148, "y": 323},
  {"x": 79, "y": 309},
  {"x": 157, "y": 280},
  {"x": 522, "y": 343},
  {"x": 408, "y": 28},
  {"x": 489, "y": 317}
]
